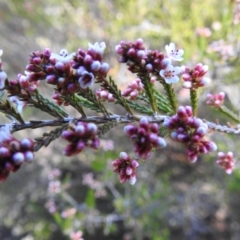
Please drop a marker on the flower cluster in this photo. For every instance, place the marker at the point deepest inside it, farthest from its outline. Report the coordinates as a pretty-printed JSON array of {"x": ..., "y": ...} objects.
[
  {"x": 13, "y": 152},
  {"x": 171, "y": 73},
  {"x": 141, "y": 60},
  {"x": 145, "y": 137},
  {"x": 195, "y": 78},
  {"x": 103, "y": 95},
  {"x": 126, "y": 168},
  {"x": 190, "y": 131},
  {"x": 89, "y": 64},
  {"x": 72, "y": 76},
  {"x": 79, "y": 137},
  {"x": 226, "y": 161},
  {"x": 133, "y": 89},
  {"x": 69, "y": 73},
  {"x": 215, "y": 100}
]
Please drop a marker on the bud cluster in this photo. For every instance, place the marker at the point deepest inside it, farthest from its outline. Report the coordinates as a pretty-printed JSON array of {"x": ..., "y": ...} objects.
[
  {"x": 195, "y": 78},
  {"x": 226, "y": 161},
  {"x": 80, "y": 136},
  {"x": 103, "y": 95},
  {"x": 190, "y": 131},
  {"x": 126, "y": 168},
  {"x": 215, "y": 100},
  {"x": 145, "y": 137},
  {"x": 139, "y": 59},
  {"x": 133, "y": 89},
  {"x": 13, "y": 152}
]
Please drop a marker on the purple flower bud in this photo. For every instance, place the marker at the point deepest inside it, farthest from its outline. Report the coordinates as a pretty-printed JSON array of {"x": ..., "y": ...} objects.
[
  {"x": 30, "y": 68},
  {"x": 132, "y": 180},
  {"x": 186, "y": 77},
  {"x": 141, "y": 53},
  {"x": 174, "y": 135},
  {"x": 52, "y": 60},
  {"x": 95, "y": 143},
  {"x": 192, "y": 158},
  {"x": 80, "y": 129},
  {"x": 182, "y": 137},
  {"x": 135, "y": 164},
  {"x": 211, "y": 146},
  {"x": 181, "y": 112},
  {"x": 80, "y": 71},
  {"x": 26, "y": 144},
  {"x": 51, "y": 79},
  {"x": 161, "y": 142},
  {"x": 123, "y": 178},
  {"x": 95, "y": 66},
  {"x": 18, "y": 158},
  {"x": 123, "y": 155},
  {"x": 67, "y": 135},
  {"x": 80, "y": 146},
  {"x": 36, "y": 60},
  {"x": 129, "y": 170},
  {"x": 15, "y": 146},
  {"x": 119, "y": 49},
  {"x": 9, "y": 166},
  {"x": 201, "y": 131},
  {"x": 92, "y": 128},
  {"x": 144, "y": 122},
  {"x": 47, "y": 52},
  {"x": 29, "y": 156},
  {"x": 189, "y": 111},
  {"x": 166, "y": 61},
  {"x": 71, "y": 87},
  {"x": 62, "y": 81},
  {"x": 130, "y": 129},
  {"x": 104, "y": 68},
  {"x": 149, "y": 67},
  {"x": 131, "y": 52},
  {"x": 59, "y": 66},
  {"x": 4, "y": 152},
  {"x": 139, "y": 43},
  {"x": 154, "y": 128},
  {"x": 88, "y": 60}
]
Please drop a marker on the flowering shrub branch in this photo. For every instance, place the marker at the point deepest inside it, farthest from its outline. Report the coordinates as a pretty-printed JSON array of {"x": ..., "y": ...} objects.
[{"x": 75, "y": 77}]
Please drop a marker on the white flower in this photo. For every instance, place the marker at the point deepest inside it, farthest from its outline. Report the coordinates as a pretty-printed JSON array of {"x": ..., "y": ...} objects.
[
  {"x": 19, "y": 104},
  {"x": 174, "y": 54},
  {"x": 86, "y": 80},
  {"x": 170, "y": 74},
  {"x": 63, "y": 56},
  {"x": 98, "y": 47},
  {"x": 5, "y": 132},
  {"x": 1, "y": 52},
  {"x": 3, "y": 77}
]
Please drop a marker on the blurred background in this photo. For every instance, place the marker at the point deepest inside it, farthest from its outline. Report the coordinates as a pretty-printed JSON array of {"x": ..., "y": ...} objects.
[{"x": 58, "y": 198}]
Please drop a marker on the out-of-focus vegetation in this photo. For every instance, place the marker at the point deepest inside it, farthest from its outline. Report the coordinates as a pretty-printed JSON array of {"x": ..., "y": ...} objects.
[{"x": 56, "y": 196}]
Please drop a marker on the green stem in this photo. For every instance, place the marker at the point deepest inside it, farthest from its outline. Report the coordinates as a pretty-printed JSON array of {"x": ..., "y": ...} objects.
[
  {"x": 149, "y": 88},
  {"x": 171, "y": 96},
  {"x": 226, "y": 111},
  {"x": 194, "y": 100}
]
